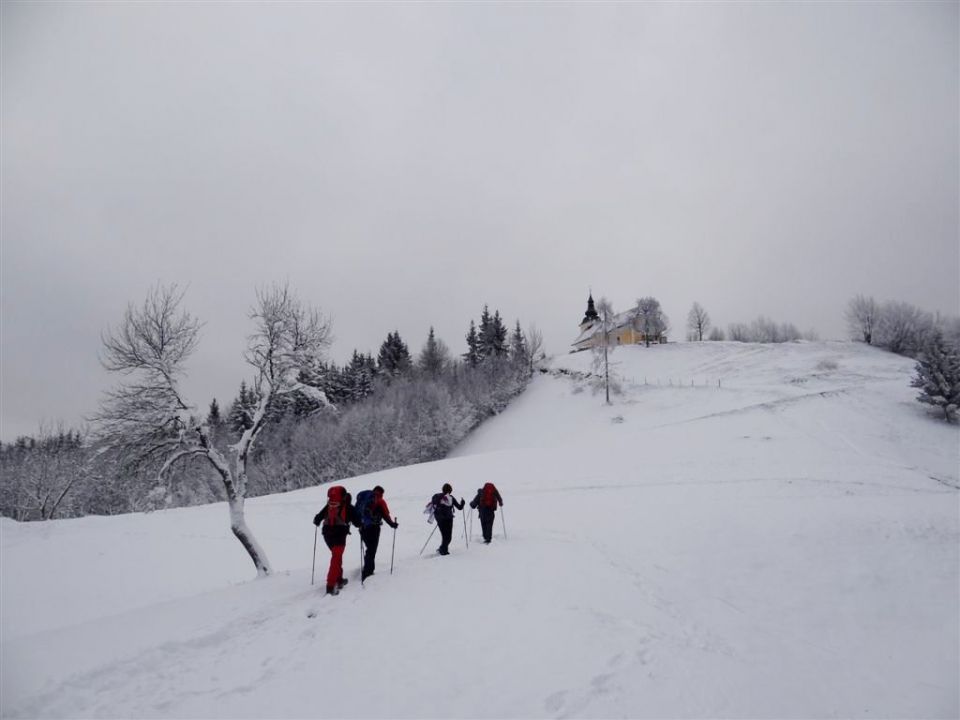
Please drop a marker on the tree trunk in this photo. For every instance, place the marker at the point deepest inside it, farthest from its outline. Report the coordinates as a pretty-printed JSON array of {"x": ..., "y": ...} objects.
[
  {"x": 239, "y": 526},
  {"x": 235, "y": 501}
]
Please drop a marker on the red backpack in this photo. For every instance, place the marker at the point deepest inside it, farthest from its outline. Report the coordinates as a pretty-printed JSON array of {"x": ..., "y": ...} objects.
[
  {"x": 336, "y": 506},
  {"x": 488, "y": 497}
]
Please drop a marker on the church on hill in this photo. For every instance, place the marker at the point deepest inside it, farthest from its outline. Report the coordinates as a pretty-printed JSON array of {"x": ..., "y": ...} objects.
[{"x": 625, "y": 330}]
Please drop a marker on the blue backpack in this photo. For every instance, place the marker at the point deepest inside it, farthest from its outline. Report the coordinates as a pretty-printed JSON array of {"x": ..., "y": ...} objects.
[{"x": 364, "y": 508}]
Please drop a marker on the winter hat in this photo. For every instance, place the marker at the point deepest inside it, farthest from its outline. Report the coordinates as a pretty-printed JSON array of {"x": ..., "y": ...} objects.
[
  {"x": 447, "y": 488},
  {"x": 378, "y": 490}
]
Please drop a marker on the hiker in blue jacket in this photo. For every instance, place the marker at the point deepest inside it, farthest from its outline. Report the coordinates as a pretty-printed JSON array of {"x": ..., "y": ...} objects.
[
  {"x": 374, "y": 513},
  {"x": 443, "y": 514}
]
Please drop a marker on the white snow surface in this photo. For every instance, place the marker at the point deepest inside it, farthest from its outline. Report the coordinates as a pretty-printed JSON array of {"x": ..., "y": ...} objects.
[{"x": 784, "y": 545}]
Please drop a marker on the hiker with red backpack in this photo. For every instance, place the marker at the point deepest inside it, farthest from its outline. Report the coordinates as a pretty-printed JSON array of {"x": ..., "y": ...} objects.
[
  {"x": 487, "y": 500},
  {"x": 443, "y": 505},
  {"x": 373, "y": 511},
  {"x": 336, "y": 516}
]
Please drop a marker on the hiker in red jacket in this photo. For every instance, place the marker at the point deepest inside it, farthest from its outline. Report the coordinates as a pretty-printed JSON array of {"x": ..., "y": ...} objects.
[
  {"x": 370, "y": 532},
  {"x": 337, "y": 516},
  {"x": 487, "y": 500}
]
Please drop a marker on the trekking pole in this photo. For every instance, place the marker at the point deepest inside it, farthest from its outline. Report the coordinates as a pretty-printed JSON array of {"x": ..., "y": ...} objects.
[
  {"x": 394, "y": 548},
  {"x": 471, "y": 524},
  {"x": 503, "y": 520},
  {"x": 428, "y": 539},
  {"x": 314, "y": 571},
  {"x": 465, "y": 529},
  {"x": 362, "y": 578}
]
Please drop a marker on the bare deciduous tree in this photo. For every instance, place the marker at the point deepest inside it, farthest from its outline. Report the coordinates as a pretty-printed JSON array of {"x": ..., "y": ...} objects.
[
  {"x": 650, "y": 319},
  {"x": 39, "y": 473},
  {"x": 602, "y": 349},
  {"x": 147, "y": 417},
  {"x": 903, "y": 328},
  {"x": 862, "y": 315},
  {"x": 698, "y": 321},
  {"x": 534, "y": 345}
]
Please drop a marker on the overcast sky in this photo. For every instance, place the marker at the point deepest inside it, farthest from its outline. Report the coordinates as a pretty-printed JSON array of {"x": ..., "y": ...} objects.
[{"x": 403, "y": 164}]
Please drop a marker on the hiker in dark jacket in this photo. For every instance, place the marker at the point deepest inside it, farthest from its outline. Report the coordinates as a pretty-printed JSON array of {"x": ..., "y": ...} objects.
[
  {"x": 443, "y": 514},
  {"x": 337, "y": 516},
  {"x": 370, "y": 530},
  {"x": 487, "y": 500}
]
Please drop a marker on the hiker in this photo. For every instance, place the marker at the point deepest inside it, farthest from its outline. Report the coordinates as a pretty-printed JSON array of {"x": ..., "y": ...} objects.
[
  {"x": 486, "y": 501},
  {"x": 337, "y": 516},
  {"x": 373, "y": 511},
  {"x": 443, "y": 505}
]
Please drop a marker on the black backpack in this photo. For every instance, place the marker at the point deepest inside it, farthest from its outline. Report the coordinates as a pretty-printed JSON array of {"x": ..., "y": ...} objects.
[{"x": 441, "y": 511}]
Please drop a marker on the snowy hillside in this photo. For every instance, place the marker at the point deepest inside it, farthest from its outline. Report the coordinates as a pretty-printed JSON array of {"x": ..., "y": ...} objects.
[{"x": 777, "y": 539}]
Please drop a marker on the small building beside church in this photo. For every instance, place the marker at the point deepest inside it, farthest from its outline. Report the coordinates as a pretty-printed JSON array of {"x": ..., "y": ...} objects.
[{"x": 624, "y": 331}]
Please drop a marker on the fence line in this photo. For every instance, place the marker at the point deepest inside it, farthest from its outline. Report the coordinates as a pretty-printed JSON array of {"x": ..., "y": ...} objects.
[{"x": 677, "y": 382}]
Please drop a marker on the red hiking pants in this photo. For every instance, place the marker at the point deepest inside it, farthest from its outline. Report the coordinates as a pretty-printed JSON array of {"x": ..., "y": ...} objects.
[{"x": 336, "y": 565}]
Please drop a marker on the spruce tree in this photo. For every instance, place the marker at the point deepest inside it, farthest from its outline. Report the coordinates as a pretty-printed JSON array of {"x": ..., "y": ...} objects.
[
  {"x": 938, "y": 376},
  {"x": 472, "y": 355},
  {"x": 240, "y": 416},
  {"x": 433, "y": 357},
  {"x": 214, "y": 419},
  {"x": 518, "y": 346},
  {"x": 357, "y": 377},
  {"x": 394, "y": 356},
  {"x": 485, "y": 336},
  {"x": 498, "y": 336}
]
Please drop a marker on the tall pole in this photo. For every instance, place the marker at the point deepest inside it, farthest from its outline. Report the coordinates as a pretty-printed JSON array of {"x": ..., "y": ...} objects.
[
  {"x": 394, "y": 548},
  {"x": 428, "y": 539},
  {"x": 314, "y": 571}
]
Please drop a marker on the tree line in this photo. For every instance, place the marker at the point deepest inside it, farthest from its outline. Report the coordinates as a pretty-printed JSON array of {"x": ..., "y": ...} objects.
[{"x": 761, "y": 330}]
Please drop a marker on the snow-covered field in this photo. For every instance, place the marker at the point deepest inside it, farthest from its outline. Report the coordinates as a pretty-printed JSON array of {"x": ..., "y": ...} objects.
[{"x": 783, "y": 545}]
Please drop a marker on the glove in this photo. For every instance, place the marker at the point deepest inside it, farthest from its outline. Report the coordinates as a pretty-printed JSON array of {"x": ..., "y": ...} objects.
[
  {"x": 395, "y": 525},
  {"x": 316, "y": 520},
  {"x": 461, "y": 502}
]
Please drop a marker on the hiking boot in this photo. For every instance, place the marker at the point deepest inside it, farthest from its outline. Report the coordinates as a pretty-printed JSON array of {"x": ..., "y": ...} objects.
[
  {"x": 341, "y": 582},
  {"x": 333, "y": 590}
]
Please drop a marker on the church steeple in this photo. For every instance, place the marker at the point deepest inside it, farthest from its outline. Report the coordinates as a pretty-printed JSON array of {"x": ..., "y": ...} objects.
[{"x": 591, "y": 313}]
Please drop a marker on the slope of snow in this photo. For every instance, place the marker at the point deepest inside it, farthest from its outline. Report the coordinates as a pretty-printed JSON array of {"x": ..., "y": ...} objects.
[{"x": 783, "y": 545}]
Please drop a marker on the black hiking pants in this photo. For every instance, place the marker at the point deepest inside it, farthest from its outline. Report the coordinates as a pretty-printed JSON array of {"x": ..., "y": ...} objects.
[
  {"x": 487, "y": 516},
  {"x": 446, "y": 534},
  {"x": 371, "y": 539}
]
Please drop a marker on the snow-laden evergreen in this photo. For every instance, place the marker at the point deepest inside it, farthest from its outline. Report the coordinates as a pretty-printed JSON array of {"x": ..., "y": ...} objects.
[{"x": 747, "y": 531}]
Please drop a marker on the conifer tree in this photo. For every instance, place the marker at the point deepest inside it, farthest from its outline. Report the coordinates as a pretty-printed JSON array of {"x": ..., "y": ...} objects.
[
  {"x": 240, "y": 416},
  {"x": 472, "y": 355},
  {"x": 485, "y": 335},
  {"x": 394, "y": 357},
  {"x": 434, "y": 356},
  {"x": 938, "y": 376},
  {"x": 358, "y": 377},
  {"x": 214, "y": 418},
  {"x": 498, "y": 337},
  {"x": 518, "y": 346}
]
